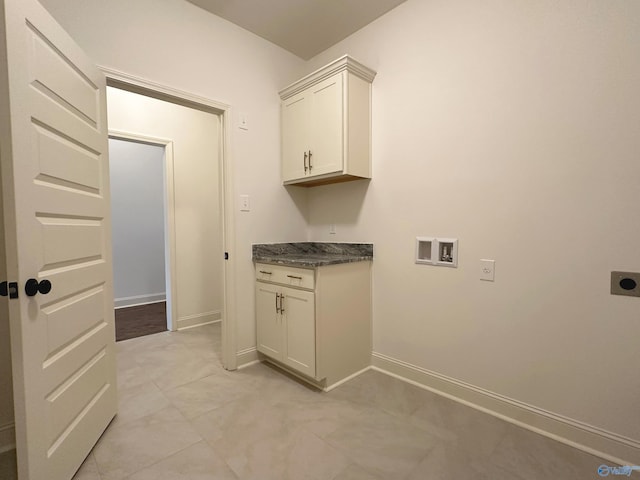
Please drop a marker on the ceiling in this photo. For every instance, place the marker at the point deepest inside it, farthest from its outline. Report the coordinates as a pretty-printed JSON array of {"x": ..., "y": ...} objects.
[{"x": 304, "y": 27}]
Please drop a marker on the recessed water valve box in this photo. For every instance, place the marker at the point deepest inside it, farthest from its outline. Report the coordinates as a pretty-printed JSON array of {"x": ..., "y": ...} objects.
[
  {"x": 447, "y": 252},
  {"x": 625, "y": 283},
  {"x": 424, "y": 250},
  {"x": 437, "y": 251}
]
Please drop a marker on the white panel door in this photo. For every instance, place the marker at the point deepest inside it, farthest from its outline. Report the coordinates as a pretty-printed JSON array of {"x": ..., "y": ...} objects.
[
  {"x": 298, "y": 312},
  {"x": 54, "y": 167}
]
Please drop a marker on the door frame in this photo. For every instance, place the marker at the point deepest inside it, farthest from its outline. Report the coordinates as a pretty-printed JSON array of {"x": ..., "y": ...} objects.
[
  {"x": 168, "y": 214},
  {"x": 131, "y": 83}
]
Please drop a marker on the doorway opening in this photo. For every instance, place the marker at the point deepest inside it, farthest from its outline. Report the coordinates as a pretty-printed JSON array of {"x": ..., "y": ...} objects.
[
  {"x": 141, "y": 277},
  {"x": 190, "y": 183},
  {"x": 221, "y": 181}
]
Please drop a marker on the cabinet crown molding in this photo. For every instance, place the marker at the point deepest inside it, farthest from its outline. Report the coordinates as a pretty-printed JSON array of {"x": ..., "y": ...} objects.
[{"x": 343, "y": 63}]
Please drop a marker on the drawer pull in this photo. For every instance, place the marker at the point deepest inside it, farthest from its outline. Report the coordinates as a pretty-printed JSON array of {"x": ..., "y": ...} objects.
[
  {"x": 293, "y": 276},
  {"x": 265, "y": 272}
]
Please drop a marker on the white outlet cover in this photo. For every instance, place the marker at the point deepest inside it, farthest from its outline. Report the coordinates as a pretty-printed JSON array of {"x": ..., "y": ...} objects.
[
  {"x": 243, "y": 121},
  {"x": 487, "y": 270},
  {"x": 244, "y": 203}
]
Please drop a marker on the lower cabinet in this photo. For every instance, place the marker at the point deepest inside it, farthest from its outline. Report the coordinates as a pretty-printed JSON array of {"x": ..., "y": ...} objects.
[
  {"x": 286, "y": 326},
  {"x": 315, "y": 322}
]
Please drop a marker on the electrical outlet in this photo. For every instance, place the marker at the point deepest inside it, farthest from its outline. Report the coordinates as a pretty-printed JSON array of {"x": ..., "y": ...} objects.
[
  {"x": 625, "y": 283},
  {"x": 487, "y": 270}
]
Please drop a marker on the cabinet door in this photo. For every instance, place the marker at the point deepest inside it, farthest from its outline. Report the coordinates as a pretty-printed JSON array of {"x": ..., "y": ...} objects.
[
  {"x": 295, "y": 136},
  {"x": 300, "y": 330},
  {"x": 268, "y": 321},
  {"x": 327, "y": 126}
]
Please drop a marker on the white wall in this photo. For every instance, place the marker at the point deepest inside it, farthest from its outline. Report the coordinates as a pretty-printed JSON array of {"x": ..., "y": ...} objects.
[
  {"x": 514, "y": 127},
  {"x": 181, "y": 46},
  {"x": 137, "y": 219}
]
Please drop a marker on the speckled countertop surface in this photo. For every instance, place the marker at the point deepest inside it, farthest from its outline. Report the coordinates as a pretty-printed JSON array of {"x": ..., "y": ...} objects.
[{"x": 312, "y": 254}]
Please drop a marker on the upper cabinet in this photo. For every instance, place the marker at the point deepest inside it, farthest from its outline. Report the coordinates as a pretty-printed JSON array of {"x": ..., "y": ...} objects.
[{"x": 326, "y": 125}]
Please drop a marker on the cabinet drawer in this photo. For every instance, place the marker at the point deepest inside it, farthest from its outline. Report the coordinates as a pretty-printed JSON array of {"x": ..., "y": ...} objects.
[{"x": 285, "y": 275}]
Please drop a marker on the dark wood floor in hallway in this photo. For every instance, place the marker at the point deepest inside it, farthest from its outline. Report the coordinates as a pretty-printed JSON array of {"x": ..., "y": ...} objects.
[{"x": 141, "y": 320}]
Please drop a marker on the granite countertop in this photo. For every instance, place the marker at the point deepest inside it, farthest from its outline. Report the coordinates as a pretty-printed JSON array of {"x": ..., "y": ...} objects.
[{"x": 312, "y": 254}]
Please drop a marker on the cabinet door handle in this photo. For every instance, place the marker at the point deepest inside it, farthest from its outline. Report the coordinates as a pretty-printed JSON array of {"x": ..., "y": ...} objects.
[
  {"x": 293, "y": 276},
  {"x": 265, "y": 272},
  {"x": 305, "y": 162},
  {"x": 277, "y": 308},
  {"x": 310, "y": 166},
  {"x": 282, "y": 303}
]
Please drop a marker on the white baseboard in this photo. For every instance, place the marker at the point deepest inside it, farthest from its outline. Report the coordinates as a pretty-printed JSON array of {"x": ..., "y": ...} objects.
[
  {"x": 610, "y": 446},
  {"x": 139, "y": 300},
  {"x": 346, "y": 379},
  {"x": 7, "y": 437},
  {"x": 247, "y": 357},
  {"x": 250, "y": 356},
  {"x": 246, "y": 365},
  {"x": 198, "y": 319}
]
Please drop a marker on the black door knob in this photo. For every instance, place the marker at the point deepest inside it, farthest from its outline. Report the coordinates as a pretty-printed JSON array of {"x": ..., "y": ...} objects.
[{"x": 33, "y": 286}]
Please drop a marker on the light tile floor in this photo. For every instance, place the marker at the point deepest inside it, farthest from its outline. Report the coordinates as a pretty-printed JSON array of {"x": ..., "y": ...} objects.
[{"x": 183, "y": 417}]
